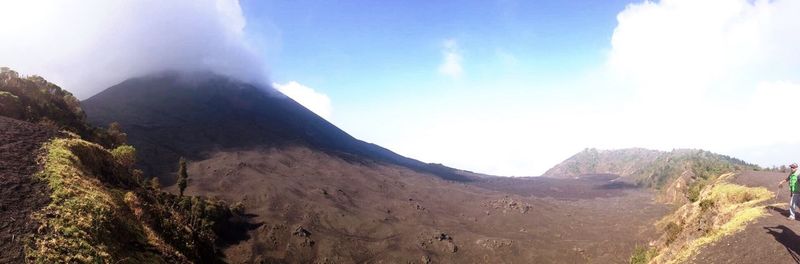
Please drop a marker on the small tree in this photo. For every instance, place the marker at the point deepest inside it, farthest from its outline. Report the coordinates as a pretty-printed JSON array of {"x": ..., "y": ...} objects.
[
  {"x": 125, "y": 155},
  {"x": 183, "y": 178}
]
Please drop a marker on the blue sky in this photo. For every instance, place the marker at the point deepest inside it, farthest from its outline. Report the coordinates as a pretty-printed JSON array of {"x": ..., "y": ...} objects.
[
  {"x": 501, "y": 87},
  {"x": 377, "y": 60},
  {"x": 514, "y": 87}
]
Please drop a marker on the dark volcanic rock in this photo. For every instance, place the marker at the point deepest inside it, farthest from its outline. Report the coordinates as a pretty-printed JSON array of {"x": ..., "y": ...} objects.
[{"x": 21, "y": 194}]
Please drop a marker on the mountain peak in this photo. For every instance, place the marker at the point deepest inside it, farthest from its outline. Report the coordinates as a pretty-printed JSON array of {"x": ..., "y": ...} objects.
[{"x": 172, "y": 114}]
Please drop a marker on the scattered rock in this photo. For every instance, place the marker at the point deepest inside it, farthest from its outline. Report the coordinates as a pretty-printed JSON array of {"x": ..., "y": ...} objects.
[
  {"x": 308, "y": 243},
  {"x": 443, "y": 237},
  {"x": 301, "y": 232},
  {"x": 494, "y": 243},
  {"x": 453, "y": 247},
  {"x": 440, "y": 241},
  {"x": 426, "y": 260},
  {"x": 508, "y": 204}
]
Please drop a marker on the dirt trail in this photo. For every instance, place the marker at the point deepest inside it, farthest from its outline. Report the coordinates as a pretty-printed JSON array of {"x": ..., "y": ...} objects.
[
  {"x": 771, "y": 239},
  {"x": 19, "y": 145}
]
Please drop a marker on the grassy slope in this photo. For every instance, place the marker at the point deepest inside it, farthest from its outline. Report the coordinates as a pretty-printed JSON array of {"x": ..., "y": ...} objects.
[
  {"x": 100, "y": 210},
  {"x": 722, "y": 209},
  {"x": 88, "y": 221}
]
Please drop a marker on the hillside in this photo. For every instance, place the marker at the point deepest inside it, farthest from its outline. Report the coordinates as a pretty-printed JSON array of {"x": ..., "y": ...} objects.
[
  {"x": 171, "y": 114},
  {"x": 36, "y": 100},
  {"x": 679, "y": 174},
  {"x": 71, "y": 200},
  {"x": 623, "y": 162}
]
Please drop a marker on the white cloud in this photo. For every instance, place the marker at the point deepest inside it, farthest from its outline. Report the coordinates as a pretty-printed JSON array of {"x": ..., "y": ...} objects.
[
  {"x": 317, "y": 102},
  {"x": 86, "y": 46},
  {"x": 451, "y": 59},
  {"x": 691, "y": 47},
  {"x": 708, "y": 74},
  {"x": 721, "y": 75}
]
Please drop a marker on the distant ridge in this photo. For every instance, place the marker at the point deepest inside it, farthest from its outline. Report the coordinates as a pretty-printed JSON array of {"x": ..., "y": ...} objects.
[{"x": 650, "y": 168}]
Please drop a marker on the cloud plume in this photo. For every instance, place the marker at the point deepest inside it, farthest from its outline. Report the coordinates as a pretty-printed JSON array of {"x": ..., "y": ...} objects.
[{"x": 86, "y": 46}]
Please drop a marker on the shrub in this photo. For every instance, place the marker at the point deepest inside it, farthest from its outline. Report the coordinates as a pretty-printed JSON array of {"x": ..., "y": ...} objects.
[
  {"x": 672, "y": 230},
  {"x": 238, "y": 208},
  {"x": 706, "y": 204},
  {"x": 693, "y": 194},
  {"x": 155, "y": 184},
  {"x": 125, "y": 155},
  {"x": 642, "y": 255}
]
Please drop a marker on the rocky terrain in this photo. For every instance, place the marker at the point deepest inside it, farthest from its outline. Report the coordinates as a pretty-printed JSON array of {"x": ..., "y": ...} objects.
[{"x": 356, "y": 212}]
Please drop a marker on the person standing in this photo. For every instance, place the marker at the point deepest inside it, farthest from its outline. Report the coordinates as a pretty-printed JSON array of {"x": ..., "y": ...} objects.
[{"x": 793, "y": 189}]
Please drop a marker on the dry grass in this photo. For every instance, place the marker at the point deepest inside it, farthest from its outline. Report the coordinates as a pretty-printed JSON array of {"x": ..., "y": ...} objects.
[
  {"x": 83, "y": 222},
  {"x": 71, "y": 223},
  {"x": 101, "y": 213},
  {"x": 724, "y": 209}
]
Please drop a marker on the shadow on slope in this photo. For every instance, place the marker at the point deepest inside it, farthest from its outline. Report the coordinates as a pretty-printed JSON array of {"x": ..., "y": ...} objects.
[{"x": 788, "y": 238}]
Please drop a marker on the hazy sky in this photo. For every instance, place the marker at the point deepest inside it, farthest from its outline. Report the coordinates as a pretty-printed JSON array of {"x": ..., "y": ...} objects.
[{"x": 503, "y": 87}]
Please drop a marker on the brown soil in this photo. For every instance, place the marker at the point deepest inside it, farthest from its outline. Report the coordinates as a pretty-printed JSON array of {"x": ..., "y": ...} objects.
[
  {"x": 21, "y": 195},
  {"x": 771, "y": 239},
  {"x": 319, "y": 208}
]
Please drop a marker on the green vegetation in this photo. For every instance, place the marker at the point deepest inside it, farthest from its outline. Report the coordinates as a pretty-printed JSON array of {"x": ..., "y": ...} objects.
[
  {"x": 81, "y": 220},
  {"x": 125, "y": 155},
  {"x": 101, "y": 213},
  {"x": 693, "y": 193},
  {"x": 36, "y": 100},
  {"x": 642, "y": 255},
  {"x": 706, "y": 204},
  {"x": 671, "y": 231},
  {"x": 650, "y": 168},
  {"x": 592, "y": 161},
  {"x": 101, "y": 209},
  {"x": 703, "y": 166}
]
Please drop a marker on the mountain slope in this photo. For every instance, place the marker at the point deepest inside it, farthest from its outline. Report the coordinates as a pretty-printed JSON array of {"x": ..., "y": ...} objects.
[
  {"x": 171, "y": 115},
  {"x": 66, "y": 199}
]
